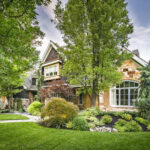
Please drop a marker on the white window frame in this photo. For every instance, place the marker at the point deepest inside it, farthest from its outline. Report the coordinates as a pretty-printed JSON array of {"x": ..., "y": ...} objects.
[
  {"x": 51, "y": 69},
  {"x": 129, "y": 100}
]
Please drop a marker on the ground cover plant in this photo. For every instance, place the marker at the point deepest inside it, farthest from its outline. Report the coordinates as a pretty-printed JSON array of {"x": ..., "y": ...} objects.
[
  {"x": 12, "y": 117},
  {"x": 31, "y": 136},
  {"x": 122, "y": 121}
]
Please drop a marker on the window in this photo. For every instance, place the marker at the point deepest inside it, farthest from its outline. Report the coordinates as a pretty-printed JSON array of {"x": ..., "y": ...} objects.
[
  {"x": 51, "y": 71},
  {"x": 33, "y": 81},
  {"x": 125, "y": 94},
  {"x": 81, "y": 99}
]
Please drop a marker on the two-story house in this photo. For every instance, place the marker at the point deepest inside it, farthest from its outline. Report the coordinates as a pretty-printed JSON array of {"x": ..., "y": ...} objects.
[{"x": 121, "y": 97}]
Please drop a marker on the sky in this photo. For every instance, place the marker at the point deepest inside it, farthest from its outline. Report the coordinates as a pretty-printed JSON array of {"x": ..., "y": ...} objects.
[{"x": 139, "y": 14}]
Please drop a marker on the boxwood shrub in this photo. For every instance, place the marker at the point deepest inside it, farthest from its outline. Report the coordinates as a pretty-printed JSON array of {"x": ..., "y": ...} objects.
[{"x": 80, "y": 123}]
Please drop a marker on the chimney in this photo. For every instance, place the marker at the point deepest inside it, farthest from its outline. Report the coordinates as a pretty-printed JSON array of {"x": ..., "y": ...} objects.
[{"x": 136, "y": 52}]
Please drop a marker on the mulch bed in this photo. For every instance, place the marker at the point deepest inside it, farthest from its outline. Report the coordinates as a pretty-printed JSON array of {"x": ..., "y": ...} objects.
[{"x": 115, "y": 119}]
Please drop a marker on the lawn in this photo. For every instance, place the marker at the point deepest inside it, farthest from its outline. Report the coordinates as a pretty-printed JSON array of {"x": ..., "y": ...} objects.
[
  {"x": 31, "y": 136},
  {"x": 12, "y": 117}
]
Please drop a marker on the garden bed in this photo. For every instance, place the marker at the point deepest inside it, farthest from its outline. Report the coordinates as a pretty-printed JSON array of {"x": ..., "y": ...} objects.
[{"x": 93, "y": 120}]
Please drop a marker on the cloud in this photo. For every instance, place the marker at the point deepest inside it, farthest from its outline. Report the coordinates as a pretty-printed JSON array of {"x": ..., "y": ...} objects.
[{"x": 140, "y": 39}]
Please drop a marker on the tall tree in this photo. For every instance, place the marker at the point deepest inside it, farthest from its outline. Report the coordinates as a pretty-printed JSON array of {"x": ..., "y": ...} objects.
[
  {"x": 19, "y": 34},
  {"x": 145, "y": 82},
  {"x": 95, "y": 33}
]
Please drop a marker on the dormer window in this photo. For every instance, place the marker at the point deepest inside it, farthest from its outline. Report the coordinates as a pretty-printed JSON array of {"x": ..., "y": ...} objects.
[{"x": 51, "y": 71}]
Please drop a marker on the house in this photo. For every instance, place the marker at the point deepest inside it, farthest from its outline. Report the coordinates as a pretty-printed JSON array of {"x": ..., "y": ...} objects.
[
  {"x": 28, "y": 91},
  {"x": 121, "y": 97}
]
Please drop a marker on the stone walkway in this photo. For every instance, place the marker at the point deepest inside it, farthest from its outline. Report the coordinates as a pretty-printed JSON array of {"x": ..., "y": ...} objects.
[{"x": 31, "y": 118}]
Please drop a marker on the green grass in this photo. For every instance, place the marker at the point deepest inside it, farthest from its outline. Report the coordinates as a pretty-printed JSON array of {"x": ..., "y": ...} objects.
[
  {"x": 31, "y": 136},
  {"x": 12, "y": 117}
]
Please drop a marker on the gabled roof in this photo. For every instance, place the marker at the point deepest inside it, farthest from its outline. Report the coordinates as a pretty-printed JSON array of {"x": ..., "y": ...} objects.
[
  {"x": 51, "y": 46},
  {"x": 48, "y": 50},
  {"x": 138, "y": 59}
]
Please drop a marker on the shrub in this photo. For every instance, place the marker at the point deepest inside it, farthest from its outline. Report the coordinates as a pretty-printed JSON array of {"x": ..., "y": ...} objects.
[
  {"x": 35, "y": 108},
  {"x": 55, "y": 121},
  {"x": 124, "y": 126},
  {"x": 69, "y": 125},
  {"x": 133, "y": 126},
  {"x": 80, "y": 123},
  {"x": 59, "y": 108},
  {"x": 126, "y": 116},
  {"x": 121, "y": 122},
  {"x": 144, "y": 108},
  {"x": 148, "y": 127},
  {"x": 106, "y": 119},
  {"x": 94, "y": 120},
  {"x": 142, "y": 121},
  {"x": 132, "y": 113},
  {"x": 120, "y": 125},
  {"x": 90, "y": 112},
  {"x": 91, "y": 125}
]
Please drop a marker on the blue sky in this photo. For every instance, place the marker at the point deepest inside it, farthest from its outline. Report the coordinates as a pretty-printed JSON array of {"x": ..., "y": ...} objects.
[{"x": 139, "y": 13}]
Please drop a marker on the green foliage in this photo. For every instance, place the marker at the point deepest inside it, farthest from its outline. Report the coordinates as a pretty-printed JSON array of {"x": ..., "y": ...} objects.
[
  {"x": 90, "y": 112},
  {"x": 69, "y": 125},
  {"x": 35, "y": 108},
  {"x": 106, "y": 119},
  {"x": 95, "y": 34},
  {"x": 18, "y": 103},
  {"x": 4, "y": 110},
  {"x": 124, "y": 126},
  {"x": 19, "y": 34},
  {"x": 126, "y": 116},
  {"x": 80, "y": 123},
  {"x": 142, "y": 121},
  {"x": 55, "y": 121},
  {"x": 91, "y": 125},
  {"x": 144, "y": 108},
  {"x": 132, "y": 113},
  {"x": 148, "y": 127},
  {"x": 133, "y": 126},
  {"x": 121, "y": 122},
  {"x": 94, "y": 120},
  {"x": 59, "y": 112},
  {"x": 145, "y": 82}
]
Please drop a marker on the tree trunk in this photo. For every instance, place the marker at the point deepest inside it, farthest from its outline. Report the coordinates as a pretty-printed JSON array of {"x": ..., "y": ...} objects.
[
  {"x": 9, "y": 103},
  {"x": 93, "y": 100}
]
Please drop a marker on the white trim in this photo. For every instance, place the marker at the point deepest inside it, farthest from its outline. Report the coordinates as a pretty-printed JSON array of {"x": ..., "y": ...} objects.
[
  {"x": 53, "y": 62},
  {"x": 139, "y": 60},
  {"x": 110, "y": 96},
  {"x": 48, "y": 49}
]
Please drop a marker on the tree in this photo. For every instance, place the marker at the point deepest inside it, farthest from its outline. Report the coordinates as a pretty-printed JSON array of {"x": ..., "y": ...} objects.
[
  {"x": 95, "y": 33},
  {"x": 57, "y": 88},
  {"x": 145, "y": 82},
  {"x": 19, "y": 34}
]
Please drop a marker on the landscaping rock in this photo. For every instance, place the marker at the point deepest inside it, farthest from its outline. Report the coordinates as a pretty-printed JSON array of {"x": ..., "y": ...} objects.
[
  {"x": 114, "y": 130},
  {"x": 104, "y": 129}
]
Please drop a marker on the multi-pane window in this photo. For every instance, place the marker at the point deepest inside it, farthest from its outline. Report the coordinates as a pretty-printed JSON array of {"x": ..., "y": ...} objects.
[
  {"x": 125, "y": 94},
  {"x": 51, "y": 71}
]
